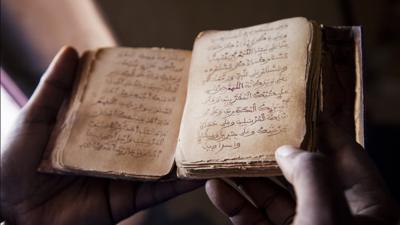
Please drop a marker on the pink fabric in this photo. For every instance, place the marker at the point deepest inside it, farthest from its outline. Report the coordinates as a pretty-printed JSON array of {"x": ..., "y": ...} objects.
[{"x": 8, "y": 84}]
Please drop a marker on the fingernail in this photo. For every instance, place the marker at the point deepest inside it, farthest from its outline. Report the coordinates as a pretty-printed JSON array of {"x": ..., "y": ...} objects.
[{"x": 284, "y": 151}]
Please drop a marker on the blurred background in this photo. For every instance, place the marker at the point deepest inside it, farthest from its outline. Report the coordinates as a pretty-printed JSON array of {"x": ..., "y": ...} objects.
[{"x": 33, "y": 31}]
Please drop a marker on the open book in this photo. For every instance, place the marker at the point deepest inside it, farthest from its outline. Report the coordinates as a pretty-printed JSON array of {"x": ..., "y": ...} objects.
[{"x": 218, "y": 111}]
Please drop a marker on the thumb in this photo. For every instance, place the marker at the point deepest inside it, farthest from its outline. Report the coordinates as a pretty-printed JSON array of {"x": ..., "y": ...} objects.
[
  {"x": 319, "y": 198},
  {"x": 55, "y": 85}
]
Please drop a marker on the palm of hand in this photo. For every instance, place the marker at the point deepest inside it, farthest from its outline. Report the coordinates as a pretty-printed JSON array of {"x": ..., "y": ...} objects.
[{"x": 29, "y": 197}]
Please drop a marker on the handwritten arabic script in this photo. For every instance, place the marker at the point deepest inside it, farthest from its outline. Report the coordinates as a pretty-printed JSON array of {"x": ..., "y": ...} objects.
[
  {"x": 132, "y": 111},
  {"x": 246, "y": 89}
]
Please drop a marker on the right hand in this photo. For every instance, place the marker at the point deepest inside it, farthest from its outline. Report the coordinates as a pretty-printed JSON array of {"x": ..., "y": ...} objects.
[{"x": 339, "y": 186}]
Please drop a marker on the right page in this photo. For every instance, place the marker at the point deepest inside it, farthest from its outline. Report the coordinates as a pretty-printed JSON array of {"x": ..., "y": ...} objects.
[{"x": 246, "y": 97}]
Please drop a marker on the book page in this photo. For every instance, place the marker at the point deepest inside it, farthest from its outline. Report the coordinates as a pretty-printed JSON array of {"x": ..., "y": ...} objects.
[
  {"x": 130, "y": 113},
  {"x": 246, "y": 93}
]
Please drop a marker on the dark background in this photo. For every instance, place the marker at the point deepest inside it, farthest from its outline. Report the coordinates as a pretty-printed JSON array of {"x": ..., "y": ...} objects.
[{"x": 33, "y": 31}]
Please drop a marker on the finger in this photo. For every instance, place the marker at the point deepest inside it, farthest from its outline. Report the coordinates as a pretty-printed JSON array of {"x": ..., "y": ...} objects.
[
  {"x": 54, "y": 86},
  {"x": 319, "y": 199},
  {"x": 359, "y": 178},
  {"x": 276, "y": 202},
  {"x": 43, "y": 106},
  {"x": 127, "y": 197},
  {"x": 233, "y": 205},
  {"x": 350, "y": 158}
]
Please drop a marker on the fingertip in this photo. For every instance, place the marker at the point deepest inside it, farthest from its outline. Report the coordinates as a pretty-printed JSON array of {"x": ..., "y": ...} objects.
[
  {"x": 71, "y": 51},
  {"x": 286, "y": 156},
  {"x": 224, "y": 197},
  {"x": 54, "y": 86},
  {"x": 232, "y": 204},
  {"x": 217, "y": 191},
  {"x": 62, "y": 67},
  {"x": 66, "y": 57},
  {"x": 68, "y": 50},
  {"x": 284, "y": 151},
  {"x": 211, "y": 187}
]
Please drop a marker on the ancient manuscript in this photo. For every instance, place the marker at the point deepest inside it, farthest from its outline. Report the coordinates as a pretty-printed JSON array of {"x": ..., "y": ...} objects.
[{"x": 218, "y": 111}]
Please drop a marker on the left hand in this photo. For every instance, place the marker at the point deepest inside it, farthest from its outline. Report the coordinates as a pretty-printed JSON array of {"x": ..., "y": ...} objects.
[{"x": 29, "y": 197}]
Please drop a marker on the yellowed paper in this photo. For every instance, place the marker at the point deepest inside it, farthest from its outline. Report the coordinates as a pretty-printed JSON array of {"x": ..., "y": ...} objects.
[
  {"x": 129, "y": 116},
  {"x": 246, "y": 93}
]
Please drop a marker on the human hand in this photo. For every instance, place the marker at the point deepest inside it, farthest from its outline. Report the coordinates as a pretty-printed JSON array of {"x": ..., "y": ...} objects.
[
  {"x": 339, "y": 186},
  {"x": 29, "y": 197}
]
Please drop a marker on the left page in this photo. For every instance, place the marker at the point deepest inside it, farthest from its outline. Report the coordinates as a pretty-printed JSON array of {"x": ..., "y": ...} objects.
[{"x": 128, "y": 113}]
